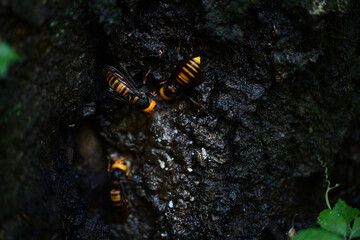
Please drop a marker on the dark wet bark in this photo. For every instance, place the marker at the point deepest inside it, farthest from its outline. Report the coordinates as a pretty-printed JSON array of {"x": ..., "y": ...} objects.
[{"x": 235, "y": 158}]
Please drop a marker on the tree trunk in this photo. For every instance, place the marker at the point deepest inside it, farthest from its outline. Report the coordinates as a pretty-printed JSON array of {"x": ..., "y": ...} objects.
[{"x": 234, "y": 158}]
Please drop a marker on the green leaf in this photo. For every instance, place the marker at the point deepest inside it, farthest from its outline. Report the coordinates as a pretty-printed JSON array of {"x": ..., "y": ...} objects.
[
  {"x": 316, "y": 234},
  {"x": 332, "y": 221},
  {"x": 349, "y": 213},
  {"x": 355, "y": 230},
  {"x": 7, "y": 56}
]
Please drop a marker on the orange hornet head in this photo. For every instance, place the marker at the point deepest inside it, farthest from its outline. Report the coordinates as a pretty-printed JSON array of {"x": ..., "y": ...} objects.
[
  {"x": 119, "y": 164},
  {"x": 150, "y": 108},
  {"x": 163, "y": 95}
]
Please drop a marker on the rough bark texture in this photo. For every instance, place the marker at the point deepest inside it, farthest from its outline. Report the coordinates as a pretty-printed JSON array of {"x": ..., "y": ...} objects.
[{"x": 235, "y": 158}]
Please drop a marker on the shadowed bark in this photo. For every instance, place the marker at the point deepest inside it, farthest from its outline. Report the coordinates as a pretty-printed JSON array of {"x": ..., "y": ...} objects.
[{"x": 234, "y": 158}]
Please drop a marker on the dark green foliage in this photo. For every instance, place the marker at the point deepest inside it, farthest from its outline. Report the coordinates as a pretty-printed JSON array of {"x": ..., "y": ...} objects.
[
  {"x": 317, "y": 234},
  {"x": 341, "y": 222},
  {"x": 7, "y": 56}
]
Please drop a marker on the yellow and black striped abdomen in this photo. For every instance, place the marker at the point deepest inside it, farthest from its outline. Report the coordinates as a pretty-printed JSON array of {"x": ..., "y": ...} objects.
[
  {"x": 187, "y": 74},
  {"x": 188, "y": 71},
  {"x": 116, "y": 198},
  {"x": 117, "y": 202},
  {"x": 116, "y": 85}
]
